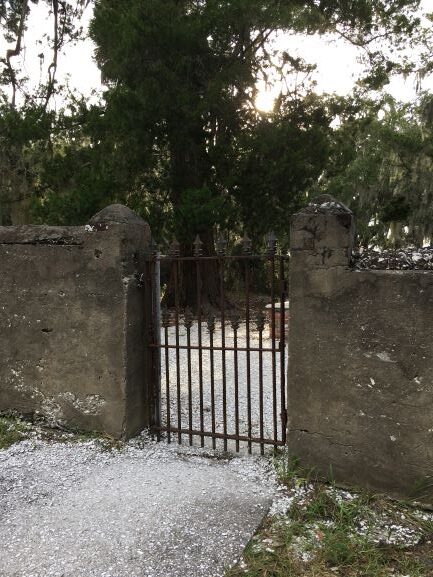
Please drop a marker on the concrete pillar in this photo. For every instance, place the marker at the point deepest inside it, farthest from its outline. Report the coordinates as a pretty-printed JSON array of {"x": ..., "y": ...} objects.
[
  {"x": 321, "y": 243},
  {"x": 140, "y": 387},
  {"x": 73, "y": 321}
]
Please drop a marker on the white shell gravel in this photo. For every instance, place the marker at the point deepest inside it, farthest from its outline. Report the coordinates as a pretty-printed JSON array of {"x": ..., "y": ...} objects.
[{"x": 75, "y": 510}]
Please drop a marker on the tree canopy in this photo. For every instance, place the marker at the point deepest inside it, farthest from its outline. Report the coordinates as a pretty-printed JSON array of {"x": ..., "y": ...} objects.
[
  {"x": 182, "y": 79},
  {"x": 382, "y": 166},
  {"x": 178, "y": 136}
]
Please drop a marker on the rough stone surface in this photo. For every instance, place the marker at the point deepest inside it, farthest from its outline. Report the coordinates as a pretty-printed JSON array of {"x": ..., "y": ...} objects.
[
  {"x": 360, "y": 394},
  {"x": 71, "y": 324},
  {"x": 145, "y": 511},
  {"x": 116, "y": 214}
]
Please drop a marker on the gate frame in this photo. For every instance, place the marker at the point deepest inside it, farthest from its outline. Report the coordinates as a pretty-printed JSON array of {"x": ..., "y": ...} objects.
[{"x": 158, "y": 323}]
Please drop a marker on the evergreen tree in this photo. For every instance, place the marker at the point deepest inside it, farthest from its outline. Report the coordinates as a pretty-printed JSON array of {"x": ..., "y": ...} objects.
[{"x": 182, "y": 77}]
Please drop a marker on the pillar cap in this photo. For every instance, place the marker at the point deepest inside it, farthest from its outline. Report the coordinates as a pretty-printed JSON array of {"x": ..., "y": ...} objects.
[
  {"x": 117, "y": 214},
  {"x": 325, "y": 204}
]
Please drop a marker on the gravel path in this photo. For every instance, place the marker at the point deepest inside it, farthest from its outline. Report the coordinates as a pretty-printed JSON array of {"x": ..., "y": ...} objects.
[
  {"x": 75, "y": 510},
  {"x": 269, "y": 400}
]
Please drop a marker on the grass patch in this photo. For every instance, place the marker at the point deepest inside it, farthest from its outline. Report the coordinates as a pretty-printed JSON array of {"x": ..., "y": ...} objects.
[
  {"x": 15, "y": 428},
  {"x": 12, "y": 430},
  {"x": 330, "y": 532}
]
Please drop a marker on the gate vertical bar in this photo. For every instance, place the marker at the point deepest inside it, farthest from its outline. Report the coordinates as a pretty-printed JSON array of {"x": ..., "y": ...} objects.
[
  {"x": 166, "y": 322},
  {"x": 235, "y": 326},
  {"x": 283, "y": 291},
  {"x": 188, "y": 325},
  {"x": 157, "y": 335},
  {"x": 176, "y": 320},
  {"x": 152, "y": 322},
  {"x": 247, "y": 250},
  {"x": 197, "y": 250},
  {"x": 211, "y": 327},
  {"x": 223, "y": 352},
  {"x": 260, "y": 328},
  {"x": 271, "y": 253}
]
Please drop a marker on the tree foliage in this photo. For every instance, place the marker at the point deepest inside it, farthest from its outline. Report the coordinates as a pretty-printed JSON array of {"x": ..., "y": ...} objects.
[
  {"x": 27, "y": 120},
  {"x": 382, "y": 166},
  {"x": 182, "y": 78},
  {"x": 178, "y": 136},
  {"x": 65, "y": 28}
]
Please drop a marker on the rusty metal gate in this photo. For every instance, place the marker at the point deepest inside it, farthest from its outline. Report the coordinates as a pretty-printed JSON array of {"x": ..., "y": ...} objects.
[{"x": 220, "y": 366}]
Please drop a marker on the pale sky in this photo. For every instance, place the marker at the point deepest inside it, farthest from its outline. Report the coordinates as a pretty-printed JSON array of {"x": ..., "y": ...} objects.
[{"x": 337, "y": 66}]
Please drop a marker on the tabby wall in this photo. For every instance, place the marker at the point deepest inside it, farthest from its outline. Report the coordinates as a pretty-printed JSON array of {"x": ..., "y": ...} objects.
[
  {"x": 360, "y": 393},
  {"x": 71, "y": 322}
]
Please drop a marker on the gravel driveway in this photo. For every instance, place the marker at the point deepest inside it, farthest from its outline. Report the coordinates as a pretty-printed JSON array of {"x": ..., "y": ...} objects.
[{"x": 148, "y": 510}]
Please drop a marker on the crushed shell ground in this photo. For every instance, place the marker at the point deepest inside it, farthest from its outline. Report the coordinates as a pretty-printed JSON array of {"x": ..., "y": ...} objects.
[{"x": 75, "y": 510}]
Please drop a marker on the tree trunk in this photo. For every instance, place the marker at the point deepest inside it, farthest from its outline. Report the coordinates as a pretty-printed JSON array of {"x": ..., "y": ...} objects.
[
  {"x": 195, "y": 278},
  {"x": 189, "y": 171}
]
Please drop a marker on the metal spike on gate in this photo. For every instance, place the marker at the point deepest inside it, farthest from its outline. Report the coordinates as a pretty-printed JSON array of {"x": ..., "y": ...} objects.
[
  {"x": 174, "y": 249},
  {"x": 165, "y": 317},
  {"x": 247, "y": 245},
  {"x": 221, "y": 245},
  {"x": 210, "y": 322},
  {"x": 271, "y": 244},
  {"x": 198, "y": 246},
  {"x": 235, "y": 321},
  {"x": 260, "y": 321},
  {"x": 188, "y": 318}
]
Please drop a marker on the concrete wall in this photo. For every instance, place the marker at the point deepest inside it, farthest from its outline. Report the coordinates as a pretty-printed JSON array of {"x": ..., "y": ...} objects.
[
  {"x": 360, "y": 395},
  {"x": 71, "y": 322}
]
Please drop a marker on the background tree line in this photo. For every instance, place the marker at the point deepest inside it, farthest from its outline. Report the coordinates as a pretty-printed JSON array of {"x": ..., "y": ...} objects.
[{"x": 178, "y": 138}]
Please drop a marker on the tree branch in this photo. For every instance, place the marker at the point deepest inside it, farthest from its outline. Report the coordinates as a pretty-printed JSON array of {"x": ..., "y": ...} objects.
[
  {"x": 52, "y": 69},
  {"x": 13, "y": 52}
]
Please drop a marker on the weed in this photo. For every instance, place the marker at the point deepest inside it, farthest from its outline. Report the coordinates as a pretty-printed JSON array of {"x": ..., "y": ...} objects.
[
  {"x": 11, "y": 431},
  {"x": 422, "y": 489},
  {"x": 289, "y": 469},
  {"x": 321, "y": 536}
]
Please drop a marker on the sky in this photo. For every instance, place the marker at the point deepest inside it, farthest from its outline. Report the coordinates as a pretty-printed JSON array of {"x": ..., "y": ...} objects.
[{"x": 337, "y": 66}]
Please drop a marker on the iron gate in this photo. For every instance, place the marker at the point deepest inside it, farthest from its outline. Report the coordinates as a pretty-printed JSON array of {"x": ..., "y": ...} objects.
[{"x": 221, "y": 366}]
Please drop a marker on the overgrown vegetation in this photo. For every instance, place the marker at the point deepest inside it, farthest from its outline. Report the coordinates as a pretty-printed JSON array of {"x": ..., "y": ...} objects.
[{"x": 328, "y": 532}]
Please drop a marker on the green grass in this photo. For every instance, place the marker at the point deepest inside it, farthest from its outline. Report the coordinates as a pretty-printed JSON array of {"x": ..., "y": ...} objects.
[
  {"x": 321, "y": 535},
  {"x": 12, "y": 430},
  {"x": 423, "y": 489}
]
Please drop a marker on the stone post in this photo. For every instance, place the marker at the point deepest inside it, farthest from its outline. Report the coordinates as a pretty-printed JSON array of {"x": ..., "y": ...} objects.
[
  {"x": 141, "y": 366},
  {"x": 321, "y": 243},
  {"x": 74, "y": 322}
]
